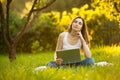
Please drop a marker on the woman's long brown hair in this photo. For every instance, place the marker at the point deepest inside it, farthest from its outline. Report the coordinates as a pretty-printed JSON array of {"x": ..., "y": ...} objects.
[{"x": 84, "y": 30}]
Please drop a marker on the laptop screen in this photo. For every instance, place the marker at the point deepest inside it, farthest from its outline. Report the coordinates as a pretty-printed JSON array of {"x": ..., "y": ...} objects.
[{"x": 69, "y": 56}]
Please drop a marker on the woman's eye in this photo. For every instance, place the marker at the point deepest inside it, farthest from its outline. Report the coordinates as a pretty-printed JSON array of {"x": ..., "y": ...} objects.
[
  {"x": 80, "y": 23},
  {"x": 75, "y": 21}
]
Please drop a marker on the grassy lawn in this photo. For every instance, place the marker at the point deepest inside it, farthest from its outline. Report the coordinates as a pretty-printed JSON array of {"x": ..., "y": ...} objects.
[{"x": 23, "y": 67}]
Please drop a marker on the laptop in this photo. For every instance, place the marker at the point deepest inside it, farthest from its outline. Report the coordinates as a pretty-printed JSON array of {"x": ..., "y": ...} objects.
[{"x": 70, "y": 56}]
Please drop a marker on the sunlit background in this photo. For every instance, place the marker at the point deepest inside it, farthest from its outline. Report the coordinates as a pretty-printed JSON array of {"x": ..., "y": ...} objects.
[
  {"x": 36, "y": 47},
  {"x": 102, "y": 17}
]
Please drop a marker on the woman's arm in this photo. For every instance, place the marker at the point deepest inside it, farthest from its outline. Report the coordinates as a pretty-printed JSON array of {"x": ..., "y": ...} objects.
[
  {"x": 59, "y": 44},
  {"x": 85, "y": 47}
]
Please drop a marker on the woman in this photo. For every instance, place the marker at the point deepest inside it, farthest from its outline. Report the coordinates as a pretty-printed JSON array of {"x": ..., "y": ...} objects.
[{"x": 75, "y": 37}]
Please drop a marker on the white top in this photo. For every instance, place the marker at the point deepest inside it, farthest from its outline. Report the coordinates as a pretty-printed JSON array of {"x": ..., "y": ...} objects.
[{"x": 66, "y": 45}]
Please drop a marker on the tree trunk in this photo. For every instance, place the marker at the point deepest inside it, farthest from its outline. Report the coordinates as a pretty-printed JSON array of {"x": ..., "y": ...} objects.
[
  {"x": 9, "y": 41},
  {"x": 12, "y": 52},
  {"x": 10, "y": 45}
]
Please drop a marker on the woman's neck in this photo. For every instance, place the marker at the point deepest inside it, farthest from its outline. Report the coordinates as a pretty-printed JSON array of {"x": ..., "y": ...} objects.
[{"x": 73, "y": 33}]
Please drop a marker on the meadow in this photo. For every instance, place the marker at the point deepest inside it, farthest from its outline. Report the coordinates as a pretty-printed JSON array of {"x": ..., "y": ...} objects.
[{"x": 23, "y": 67}]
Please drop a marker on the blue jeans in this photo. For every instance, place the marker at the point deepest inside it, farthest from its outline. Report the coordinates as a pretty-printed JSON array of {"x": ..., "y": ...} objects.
[{"x": 85, "y": 62}]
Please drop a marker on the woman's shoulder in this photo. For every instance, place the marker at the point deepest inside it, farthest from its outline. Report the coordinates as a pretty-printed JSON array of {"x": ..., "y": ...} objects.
[{"x": 62, "y": 34}]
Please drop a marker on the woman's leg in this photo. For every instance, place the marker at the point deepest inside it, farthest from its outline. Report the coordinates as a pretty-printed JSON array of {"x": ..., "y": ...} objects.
[
  {"x": 52, "y": 64},
  {"x": 86, "y": 62}
]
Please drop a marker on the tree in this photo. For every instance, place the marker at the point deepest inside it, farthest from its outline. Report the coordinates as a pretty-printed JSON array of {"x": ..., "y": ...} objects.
[
  {"x": 11, "y": 42},
  {"x": 111, "y": 8}
]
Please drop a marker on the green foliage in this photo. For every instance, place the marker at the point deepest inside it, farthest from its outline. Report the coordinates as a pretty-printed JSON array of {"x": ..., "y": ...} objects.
[
  {"x": 111, "y": 8},
  {"x": 23, "y": 67},
  {"x": 101, "y": 16},
  {"x": 41, "y": 3},
  {"x": 44, "y": 31},
  {"x": 46, "y": 28},
  {"x": 104, "y": 31},
  {"x": 16, "y": 23},
  {"x": 67, "y": 5},
  {"x": 35, "y": 46},
  {"x": 18, "y": 8}
]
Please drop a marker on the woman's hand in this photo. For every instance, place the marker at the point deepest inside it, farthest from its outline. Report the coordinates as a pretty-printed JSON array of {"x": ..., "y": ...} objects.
[
  {"x": 81, "y": 36},
  {"x": 59, "y": 61}
]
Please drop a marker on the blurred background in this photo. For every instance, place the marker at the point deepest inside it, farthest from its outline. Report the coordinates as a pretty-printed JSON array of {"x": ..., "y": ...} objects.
[{"x": 102, "y": 18}]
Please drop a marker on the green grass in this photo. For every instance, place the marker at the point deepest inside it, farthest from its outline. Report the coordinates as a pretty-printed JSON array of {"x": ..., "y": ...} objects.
[{"x": 23, "y": 67}]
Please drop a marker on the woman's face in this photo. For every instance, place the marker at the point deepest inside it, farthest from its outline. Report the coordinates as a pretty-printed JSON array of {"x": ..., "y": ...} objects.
[{"x": 77, "y": 24}]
